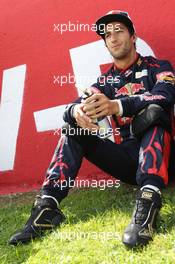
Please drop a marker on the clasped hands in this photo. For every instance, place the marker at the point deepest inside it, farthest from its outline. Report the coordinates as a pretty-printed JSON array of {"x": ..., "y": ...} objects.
[{"x": 96, "y": 106}]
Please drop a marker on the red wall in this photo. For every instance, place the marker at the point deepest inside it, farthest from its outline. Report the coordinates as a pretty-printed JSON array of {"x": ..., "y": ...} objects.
[{"x": 27, "y": 37}]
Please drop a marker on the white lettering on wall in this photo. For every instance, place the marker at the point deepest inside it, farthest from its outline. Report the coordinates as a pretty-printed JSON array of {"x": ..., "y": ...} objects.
[
  {"x": 48, "y": 119},
  {"x": 10, "y": 113}
]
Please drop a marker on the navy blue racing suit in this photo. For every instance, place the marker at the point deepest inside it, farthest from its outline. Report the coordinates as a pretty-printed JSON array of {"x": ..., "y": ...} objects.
[{"x": 135, "y": 161}]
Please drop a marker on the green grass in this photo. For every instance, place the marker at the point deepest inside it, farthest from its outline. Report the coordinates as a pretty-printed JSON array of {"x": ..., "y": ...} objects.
[{"x": 92, "y": 215}]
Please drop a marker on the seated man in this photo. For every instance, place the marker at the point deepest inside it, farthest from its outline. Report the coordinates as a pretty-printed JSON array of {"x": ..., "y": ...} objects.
[{"x": 132, "y": 84}]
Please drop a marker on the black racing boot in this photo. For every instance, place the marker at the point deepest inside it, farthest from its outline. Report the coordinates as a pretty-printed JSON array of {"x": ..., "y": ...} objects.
[
  {"x": 140, "y": 230},
  {"x": 44, "y": 216}
]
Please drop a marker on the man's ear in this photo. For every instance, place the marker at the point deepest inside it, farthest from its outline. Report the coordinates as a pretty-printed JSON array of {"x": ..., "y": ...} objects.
[{"x": 134, "y": 37}]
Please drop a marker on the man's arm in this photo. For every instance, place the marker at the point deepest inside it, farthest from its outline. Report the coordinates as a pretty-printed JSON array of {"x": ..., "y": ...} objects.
[
  {"x": 163, "y": 92},
  {"x": 68, "y": 113}
]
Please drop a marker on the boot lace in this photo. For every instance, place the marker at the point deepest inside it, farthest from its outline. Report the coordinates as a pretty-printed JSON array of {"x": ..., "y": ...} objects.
[{"x": 142, "y": 210}]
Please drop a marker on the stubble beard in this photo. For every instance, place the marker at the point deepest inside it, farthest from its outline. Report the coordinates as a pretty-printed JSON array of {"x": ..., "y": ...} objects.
[{"x": 119, "y": 55}]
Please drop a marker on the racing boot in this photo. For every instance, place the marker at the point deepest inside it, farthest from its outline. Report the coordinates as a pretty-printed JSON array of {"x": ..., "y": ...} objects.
[
  {"x": 140, "y": 230},
  {"x": 45, "y": 215}
]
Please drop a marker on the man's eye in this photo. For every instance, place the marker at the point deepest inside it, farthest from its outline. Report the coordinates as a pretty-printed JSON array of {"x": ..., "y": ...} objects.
[
  {"x": 118, "y": 30},
  {"x": 107, "y": 35}
]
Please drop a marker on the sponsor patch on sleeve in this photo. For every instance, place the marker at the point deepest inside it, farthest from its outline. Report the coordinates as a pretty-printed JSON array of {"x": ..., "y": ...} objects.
[{"x": 166, "y": 77}]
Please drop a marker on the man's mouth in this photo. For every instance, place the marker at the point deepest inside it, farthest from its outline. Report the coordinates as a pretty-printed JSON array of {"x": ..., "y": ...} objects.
[{"x": 116, "y": 46}]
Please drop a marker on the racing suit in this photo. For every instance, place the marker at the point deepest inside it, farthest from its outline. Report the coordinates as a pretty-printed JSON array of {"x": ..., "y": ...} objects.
[{"x": 131, "y": 160}]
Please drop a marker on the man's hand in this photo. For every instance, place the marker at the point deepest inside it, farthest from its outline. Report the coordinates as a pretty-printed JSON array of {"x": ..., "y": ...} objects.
[
  {"x": 82, "y": 119},
  {"x": 99, "y": 105}
]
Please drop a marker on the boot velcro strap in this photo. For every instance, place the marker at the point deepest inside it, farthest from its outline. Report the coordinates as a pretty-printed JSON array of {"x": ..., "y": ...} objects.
[
  {"x": 41, "y": 219},
  {"x": 46, "y": 202}
]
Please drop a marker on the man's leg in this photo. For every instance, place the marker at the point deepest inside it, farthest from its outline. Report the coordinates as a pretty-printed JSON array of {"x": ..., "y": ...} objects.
[
  {"x": 120, "y": 161},
  {"x": 45, "y": 214},
  {"x": 108, "y": 156},
  {"x": 152, "y": 176},
  {"x": 62, "y": 171}
]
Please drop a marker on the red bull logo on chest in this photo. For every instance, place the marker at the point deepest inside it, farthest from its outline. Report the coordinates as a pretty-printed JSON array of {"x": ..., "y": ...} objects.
[{"x": 129, "y": 89}]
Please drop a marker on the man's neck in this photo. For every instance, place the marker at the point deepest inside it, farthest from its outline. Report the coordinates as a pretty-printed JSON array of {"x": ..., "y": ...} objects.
[{"x": 125, "y": 63}]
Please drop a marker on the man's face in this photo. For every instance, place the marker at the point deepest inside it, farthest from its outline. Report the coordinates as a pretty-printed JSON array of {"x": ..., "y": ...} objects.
[{"x": 118, "y": 40}]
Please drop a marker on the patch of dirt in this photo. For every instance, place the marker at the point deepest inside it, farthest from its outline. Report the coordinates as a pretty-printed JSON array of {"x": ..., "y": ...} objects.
[
  {"x": 29, "y": 197},
  {"x": 17, "y": 199},
  {"x": 24, "y": 198}
]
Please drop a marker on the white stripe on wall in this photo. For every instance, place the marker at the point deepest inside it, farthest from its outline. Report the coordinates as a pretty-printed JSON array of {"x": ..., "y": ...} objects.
[{"x": 10, "y": 113}]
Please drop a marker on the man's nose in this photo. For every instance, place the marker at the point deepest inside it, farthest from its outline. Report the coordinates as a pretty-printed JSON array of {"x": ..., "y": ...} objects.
[{"x": 113, "y": 37}]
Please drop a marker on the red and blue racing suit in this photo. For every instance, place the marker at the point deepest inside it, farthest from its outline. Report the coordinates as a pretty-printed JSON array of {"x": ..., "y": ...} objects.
[{"x": 135, "y": 161}]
